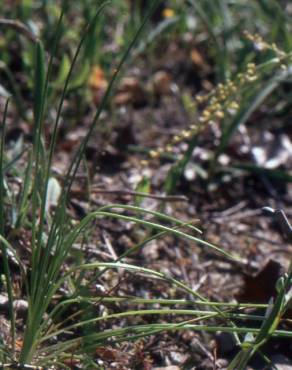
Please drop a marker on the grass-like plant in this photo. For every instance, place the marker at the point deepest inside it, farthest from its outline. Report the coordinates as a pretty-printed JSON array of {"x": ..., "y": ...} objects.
[
  {"x": 245, "y": 78},
  {"x": 52, "y": 235},
  {"x": 52, "y": 335},
  {"x": 230, "y": 105}
]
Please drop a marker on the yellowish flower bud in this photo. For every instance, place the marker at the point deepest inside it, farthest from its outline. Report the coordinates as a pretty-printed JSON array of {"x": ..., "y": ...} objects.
[
  {"x": 154, "y": 154},
  {"x": 219, "y": 114}
]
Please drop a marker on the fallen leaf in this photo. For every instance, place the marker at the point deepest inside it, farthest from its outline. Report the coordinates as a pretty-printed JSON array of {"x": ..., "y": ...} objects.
[
  {"x": 98, "y": 83},
  {"x": 130, "y": 91},
  {"x": 198, "y": 60},
  {"x": 161, "y": 83},
  {"x": 259, "y": 288}
]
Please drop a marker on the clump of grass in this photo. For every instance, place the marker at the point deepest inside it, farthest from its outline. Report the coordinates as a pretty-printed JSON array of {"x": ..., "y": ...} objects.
[{"x": 52, "y": 236}]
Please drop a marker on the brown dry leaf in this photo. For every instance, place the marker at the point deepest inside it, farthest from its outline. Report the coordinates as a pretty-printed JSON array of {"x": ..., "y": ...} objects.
[
  {"x": 199, "y": 61},
  {"x": 161, "y": 83},
  {"x": 130, "y": 92},
  {"x": 72, "y": 362},
  {"x": 97, "y": 79},
  {"x": 110, "y": 354},
  {"x": 98, "y": 83},
  {"x": 123, "y": 98},
  {"x": 261, "y": 287},
  {"x": 18, "y": 344}
]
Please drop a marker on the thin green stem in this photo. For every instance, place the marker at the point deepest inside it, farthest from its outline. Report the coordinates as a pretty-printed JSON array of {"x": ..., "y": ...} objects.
[{"x": 8, "y": 278}]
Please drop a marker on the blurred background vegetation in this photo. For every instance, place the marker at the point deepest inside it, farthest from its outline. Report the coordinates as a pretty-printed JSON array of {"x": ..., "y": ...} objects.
[{"x": 200, "y": 73}]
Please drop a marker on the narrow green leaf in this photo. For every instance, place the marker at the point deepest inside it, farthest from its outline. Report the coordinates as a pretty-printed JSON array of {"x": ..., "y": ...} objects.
[{"x": 8, "y": 278}]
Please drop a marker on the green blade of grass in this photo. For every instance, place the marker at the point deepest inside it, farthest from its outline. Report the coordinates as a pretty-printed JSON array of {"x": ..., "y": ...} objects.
[
  {"x": 131, "y": 333},
  {"x": 159, "y": 215},
  {"x": 198, "y": 314},
  {"x": 271, "y": 173},
  {"x": 137, "y": 300},
  {"x": 8, "y": 278},
  {"x": 24, "y": 196},
  {"x": 38, "y": 149},
  {"x": 171, "y": 230}
]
